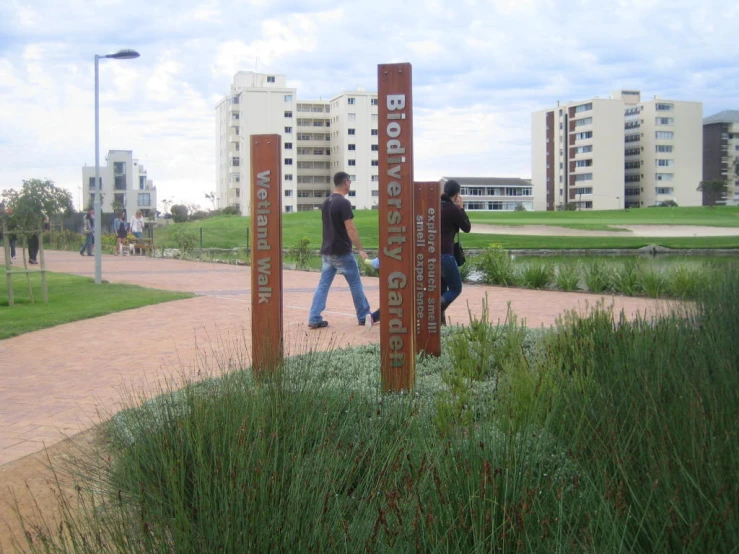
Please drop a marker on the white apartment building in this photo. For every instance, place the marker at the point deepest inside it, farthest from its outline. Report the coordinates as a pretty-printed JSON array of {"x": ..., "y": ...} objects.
[
  {"x": 124, "y": 185},
  {"x": 319, "y": 138},
  {"x": 721, "y": 154},
  {"x": 494, "y": 193},
  {"x": 617, "y": 152}
]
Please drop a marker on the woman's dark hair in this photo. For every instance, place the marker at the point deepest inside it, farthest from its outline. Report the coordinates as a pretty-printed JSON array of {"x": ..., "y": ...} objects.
[{"x": 451, "y": 187}]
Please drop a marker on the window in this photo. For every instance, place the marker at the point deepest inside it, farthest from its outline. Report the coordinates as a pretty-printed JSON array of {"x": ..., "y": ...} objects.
[
  {"x": 373, "y": 101},
  {"x": 375, "y": 193},
  {"x": 632, "y": 138},
  {"x": 584, "y": 135},
  {"x": 350, "y": 101},
  {"x": 584, "y": 107},
  {"x": 235, "y": 116},
  {"x": 582, "y": 149},
  {"x": 583, "y": 121},
  {"x": 288, "y": 176},
  {"x": 288, "y": 146},
  {"x": 631, "y": 192},
  {"x": 632, "y": 151},
  {"x": 352, "y": 131},
  {"x": 375, "y": 148},
  {"x": 632, "y": 165},
  {"x": 665, "y": 163},
  {"x": 288, "y": 192},
  {"x": 584, "y": 190},
  {"x": 270, "y": 79},
  {"x": 235, "y": 162},
  {"x": 352, "y": 146},
  {"x": 144, "y": 199},
  {"x": 664, "y": 120},
  {"x": 288, "y": 113},
  {"x": 288, "y": 98},
  {"x": 583, "y": 163},
  {"x": 664, "y": 176},
  {"x": 664, "y": 190},
  {"x": 664, "y": 135},
  {"x": 288, "y": 161},
  {"x": 351, "y": 117},
  {"x": 288, "y": 209},
  {"x": 92, "y": 182},
  {"x": 373, "y": 132},
  {"x": 288, "y": 130},
  {"x": 375, "y": 163},
  {"x": 663, "y": 148},
  {"x": 234, "y": 99},
  {"x": 352, "y": 162},
  {"x": 584, "y": 177},
  {"x": 375, "y": 178},
  {"x": 664, "y": 107},
  {"x": 632, "y": 178},
  {"x": 352, "y": 193}
]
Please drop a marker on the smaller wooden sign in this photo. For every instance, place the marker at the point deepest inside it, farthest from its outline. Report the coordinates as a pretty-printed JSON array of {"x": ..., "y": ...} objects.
[
  {"x": 266, "y": 254},
  {"x": 427, "y": 276}
]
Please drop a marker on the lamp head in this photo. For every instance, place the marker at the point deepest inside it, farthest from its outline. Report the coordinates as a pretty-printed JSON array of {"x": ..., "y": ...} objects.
[{"x": 125, "y": 54}]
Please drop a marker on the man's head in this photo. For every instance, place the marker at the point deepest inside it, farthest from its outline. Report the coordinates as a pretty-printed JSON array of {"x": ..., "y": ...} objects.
[{"x": 342, "y": 181}]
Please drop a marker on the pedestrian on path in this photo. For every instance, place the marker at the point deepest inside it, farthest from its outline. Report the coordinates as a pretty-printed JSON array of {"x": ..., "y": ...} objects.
[
  {"x": 339, "y": 235},
  {"x": 120, "y": 226},
  {"x": 89, "y": 233},
  {"x": 137, "y": 225},
  {"x": 453, "y": 219}
]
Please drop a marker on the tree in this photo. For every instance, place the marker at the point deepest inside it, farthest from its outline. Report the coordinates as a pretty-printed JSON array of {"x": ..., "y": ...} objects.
[
  {"x": 713, "y": 191},
  {"x": 27, "y": 205},
  {"x": 166, "y": 203},
  {"x": 179, "y": 213},
  {"x": 212, "y": 197}
]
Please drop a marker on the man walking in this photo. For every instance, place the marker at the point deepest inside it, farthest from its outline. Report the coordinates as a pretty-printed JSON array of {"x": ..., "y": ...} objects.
[{"x": 339, "y": 234}]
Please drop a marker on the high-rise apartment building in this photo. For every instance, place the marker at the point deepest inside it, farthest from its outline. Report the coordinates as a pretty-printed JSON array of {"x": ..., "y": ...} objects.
[
  {"x": 319, "y": 138},
  {"x": 616, "y": 152},
  {"x": 124, "y": 185},
  {"x": 721, "y": 155}
]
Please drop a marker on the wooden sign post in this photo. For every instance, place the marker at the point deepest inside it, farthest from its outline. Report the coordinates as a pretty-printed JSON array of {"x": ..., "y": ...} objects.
[
  {"x": 266, "y": 253},
  {"x": 397, "y": 258},
  {"x": 427, "y": 277}
]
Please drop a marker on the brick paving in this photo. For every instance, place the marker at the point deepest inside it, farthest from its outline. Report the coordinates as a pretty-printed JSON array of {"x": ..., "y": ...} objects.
[{"x": 57, "y": 382}]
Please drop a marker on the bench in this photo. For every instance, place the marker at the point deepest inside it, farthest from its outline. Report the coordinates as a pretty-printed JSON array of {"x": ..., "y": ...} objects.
[{"x": 143, "y": 246}]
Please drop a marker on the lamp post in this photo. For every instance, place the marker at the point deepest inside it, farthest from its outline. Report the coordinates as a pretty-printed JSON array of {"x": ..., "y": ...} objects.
[{"x": 125, "y": 54}]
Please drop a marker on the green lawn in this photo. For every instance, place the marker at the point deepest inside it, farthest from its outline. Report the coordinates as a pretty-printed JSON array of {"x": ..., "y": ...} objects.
[
  {"x": 231, "y": 231},
  {"x": 71, "y": 298}
]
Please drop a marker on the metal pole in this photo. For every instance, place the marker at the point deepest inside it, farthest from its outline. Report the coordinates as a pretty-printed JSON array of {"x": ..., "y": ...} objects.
[{"x": 97, "y": 236}]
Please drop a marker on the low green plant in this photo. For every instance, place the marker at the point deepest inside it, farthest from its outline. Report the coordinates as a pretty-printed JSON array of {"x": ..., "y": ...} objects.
[
  {"x": 537, "y": 275},
  {"x": 597, "y": 276},
  {"x": 685, "y": 282},
  {"x": 653, "y": 282},
  {"x": 301, "y": 253},
  {"x": 625, "y": 279},
  {"x": 184, "y": 240},
  {"x": 567, "y": 277},
  {"x": 496, "y": 266}
]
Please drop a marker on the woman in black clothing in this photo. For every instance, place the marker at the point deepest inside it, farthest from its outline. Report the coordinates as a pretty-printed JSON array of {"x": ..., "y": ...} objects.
[{"x": 453, "y": 219}]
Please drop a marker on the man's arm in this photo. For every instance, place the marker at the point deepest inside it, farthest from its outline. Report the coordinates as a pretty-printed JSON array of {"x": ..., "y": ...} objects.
[{"x": 351, "y": 230}]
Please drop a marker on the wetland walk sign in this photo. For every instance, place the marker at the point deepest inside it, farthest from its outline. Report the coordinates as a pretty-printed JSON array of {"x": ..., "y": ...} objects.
[
  {"x": 427, "y": 272},
  {"x": 266, "y": 254},
  {"x": 397, "y": 224}
]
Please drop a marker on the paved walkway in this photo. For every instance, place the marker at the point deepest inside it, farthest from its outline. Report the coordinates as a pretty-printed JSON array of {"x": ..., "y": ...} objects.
[{"x": 57, "y": 382}]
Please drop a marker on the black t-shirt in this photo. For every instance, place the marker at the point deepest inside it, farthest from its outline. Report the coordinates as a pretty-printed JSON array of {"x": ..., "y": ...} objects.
[
  {"x": 336, "y": 210},
  {"x": 453, "y": 219}
]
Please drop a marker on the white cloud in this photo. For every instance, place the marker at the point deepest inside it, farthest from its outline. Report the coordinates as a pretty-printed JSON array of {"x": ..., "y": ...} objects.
[{"x": 480, "y": 68}]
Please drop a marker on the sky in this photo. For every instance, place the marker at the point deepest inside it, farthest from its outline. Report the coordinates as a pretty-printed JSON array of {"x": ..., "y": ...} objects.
[{"x": 480, "y": 68}]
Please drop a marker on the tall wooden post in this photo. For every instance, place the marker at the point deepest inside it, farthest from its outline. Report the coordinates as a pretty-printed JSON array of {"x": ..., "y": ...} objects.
[
  {"x": 398, "y": 321},
  {"x": 266, "y": 254},
  {"x": 427, "y": 278}
]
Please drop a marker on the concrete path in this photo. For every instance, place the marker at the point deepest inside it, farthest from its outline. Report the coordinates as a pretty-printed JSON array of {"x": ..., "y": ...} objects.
[{"x": 57, "y": 382}]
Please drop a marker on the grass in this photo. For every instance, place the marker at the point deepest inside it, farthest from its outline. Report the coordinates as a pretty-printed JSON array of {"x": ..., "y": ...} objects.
[
  {"x": 599, "y": 435},
  {"x": 231, "y": 231},
  {"x": 71, "y": 298}
]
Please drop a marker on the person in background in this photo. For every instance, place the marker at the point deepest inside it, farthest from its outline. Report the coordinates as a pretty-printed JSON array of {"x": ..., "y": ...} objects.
[
  {"x": 120, "y": 228},
  {"x": 33, "y": 241},
  {"x": 89, "y": 222},
  {"x": 453, "y": 219},
  {"x": 137, "y": 225},
  {"x": 339, "y": 235}
]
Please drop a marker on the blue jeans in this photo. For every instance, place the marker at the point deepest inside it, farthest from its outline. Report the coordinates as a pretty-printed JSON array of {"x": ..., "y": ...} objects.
[
  {"x": 347, "y": 265},
  {"x": 88, "y": 244},
  {"x": 137, "y": 234},
  {"x": 451, "y": 280}
]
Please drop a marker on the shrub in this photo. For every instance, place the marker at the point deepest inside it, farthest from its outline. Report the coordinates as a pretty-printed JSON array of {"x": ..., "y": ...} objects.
[
  {"x": 537, "y": 275},
  {"x": 301, "y": 253},
  {"x": 496, "y": 266},
  {"x": 231, "y": 210},
  {"x": 625, "y": 279},
  {"x": 567, "y": 277},
  {"x": 653, "y": 282},
  {"x": 686, "y": 282},
  {"x": 597, "y": 276}
]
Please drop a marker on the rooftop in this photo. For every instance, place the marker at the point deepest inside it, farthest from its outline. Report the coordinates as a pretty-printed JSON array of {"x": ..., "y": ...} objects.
[{"x": 726, "y": 116}]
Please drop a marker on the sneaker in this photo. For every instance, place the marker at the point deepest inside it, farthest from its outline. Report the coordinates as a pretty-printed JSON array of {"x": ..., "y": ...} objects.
[
  {"x": 319, "y": 325},
  {"x": 32, "y": 262}
]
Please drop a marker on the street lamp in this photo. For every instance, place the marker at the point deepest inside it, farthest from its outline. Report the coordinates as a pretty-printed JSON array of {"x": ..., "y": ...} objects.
[{"x": 125, "y": 54}]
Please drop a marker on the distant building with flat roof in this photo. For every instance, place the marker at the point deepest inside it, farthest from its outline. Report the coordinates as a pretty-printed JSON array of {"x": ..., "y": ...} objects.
[{"x": 494, "y": 194}]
